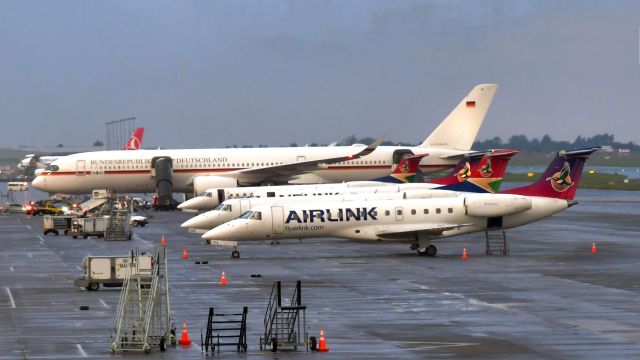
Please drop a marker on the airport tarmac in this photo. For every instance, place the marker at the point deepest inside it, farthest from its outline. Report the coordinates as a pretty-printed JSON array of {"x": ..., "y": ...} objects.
[{"x": 551, "y": 298}]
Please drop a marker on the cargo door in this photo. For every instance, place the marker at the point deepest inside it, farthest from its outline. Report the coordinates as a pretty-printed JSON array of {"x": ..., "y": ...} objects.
[
  {"x": 100, "y": 269},
  {"x": 81, "y": 167},
  {"x": 277, "y": 219},
  {"x": 399, "y": 214}
]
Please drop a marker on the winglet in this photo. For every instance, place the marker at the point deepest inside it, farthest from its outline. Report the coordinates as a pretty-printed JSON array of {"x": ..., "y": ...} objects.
[{"x": 369, "y": 149}]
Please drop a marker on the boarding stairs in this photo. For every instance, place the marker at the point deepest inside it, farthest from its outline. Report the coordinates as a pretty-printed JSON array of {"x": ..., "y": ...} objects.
[
  {"x": 225, "y": 329},
  {"x": 118, "y": 227},
  {"x": 285, "y": 326},
  {"x": 143, "y": 317},
  {"x": 496, "y": 243}
]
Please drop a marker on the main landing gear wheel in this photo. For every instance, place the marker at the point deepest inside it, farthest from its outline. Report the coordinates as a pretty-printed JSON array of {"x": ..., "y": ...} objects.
[{"x": 428, "y": 251}]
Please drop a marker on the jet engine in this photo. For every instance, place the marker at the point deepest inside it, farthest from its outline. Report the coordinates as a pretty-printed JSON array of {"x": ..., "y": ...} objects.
[
  {"x": 205, "y": 182},
  {"x": 492, "y": 205}
]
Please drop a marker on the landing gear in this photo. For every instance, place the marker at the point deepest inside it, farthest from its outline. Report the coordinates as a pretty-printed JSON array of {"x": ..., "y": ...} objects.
[
  {"x": 235, "y": 254},
  {"x": 428, "y": 251}
]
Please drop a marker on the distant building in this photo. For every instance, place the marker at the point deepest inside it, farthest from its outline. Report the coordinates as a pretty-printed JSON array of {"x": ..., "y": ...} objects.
[{"x": 624, "y": 152}]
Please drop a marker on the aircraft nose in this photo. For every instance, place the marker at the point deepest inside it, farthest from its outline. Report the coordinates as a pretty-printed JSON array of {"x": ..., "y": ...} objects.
[
  {"x": 192, "y": 204},
  {"x": 221, "y": 232},
  {"x": 191, "y": 223},
  {"x": 39, "y": 183}
]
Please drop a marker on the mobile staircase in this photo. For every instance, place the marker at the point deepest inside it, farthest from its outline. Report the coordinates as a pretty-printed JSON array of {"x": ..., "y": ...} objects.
[
  {"x": 225, "y": 330},
  {"x": 118, "y": 227},
  {"x": 143, "y": 318},
  {"x": 285, "y": 326},
  {"x": 496, "y": 243}
]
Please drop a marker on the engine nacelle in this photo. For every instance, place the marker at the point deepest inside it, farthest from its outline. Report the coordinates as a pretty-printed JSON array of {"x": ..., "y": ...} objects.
[
  {"x": 493, "y": 205},
  {"x": 206, "y": 182}
]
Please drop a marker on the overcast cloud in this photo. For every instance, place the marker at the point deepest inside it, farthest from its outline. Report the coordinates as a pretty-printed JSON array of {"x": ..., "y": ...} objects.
[{"x": 217, "y": 73}]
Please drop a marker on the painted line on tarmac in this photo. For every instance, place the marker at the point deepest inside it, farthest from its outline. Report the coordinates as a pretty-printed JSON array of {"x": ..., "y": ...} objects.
[
  {"x": 81, "y": 351},
  {"x": 13, "y": 226},
  {"x": 12, "y": 269},
  {"x": 41, "y": 238},
  {"x": 104, "y": 304},
  {"x": 78, "y": 267},
  {"x": 13, "y": 303},
  {"x": 30, "y": 256},
  {"x": 28, "y": 227},
  {"x": 89, "y": 254}
]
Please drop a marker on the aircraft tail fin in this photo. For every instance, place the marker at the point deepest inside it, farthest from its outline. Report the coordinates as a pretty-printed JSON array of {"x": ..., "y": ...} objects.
[
  {"x": 135, "y": 141},
  {"x": 407, "y": 171},
  {"x": 478, "y": 172},
  {"x": 459, "y": 129},
  {"x": 561, "y": 178}
]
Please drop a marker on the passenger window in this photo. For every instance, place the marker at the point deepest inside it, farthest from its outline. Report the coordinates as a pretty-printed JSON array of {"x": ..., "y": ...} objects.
[
  {"x": 450, "y": 210},
  {"x": 398, "y": 212},
  {"x": 413, "y": 211},
  {"x": 426, "y": 211},
  {"x": 387, "y": 213},
  {"x": 438, "y": 211}
]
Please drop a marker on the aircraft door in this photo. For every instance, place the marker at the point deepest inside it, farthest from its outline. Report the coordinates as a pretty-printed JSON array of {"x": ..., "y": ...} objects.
[
  {"x": 277, "y": 219},
  {"x": 399, "y": 214},
  {"x": 245, "y": 205},
  {"x": 80, "y": 167}
]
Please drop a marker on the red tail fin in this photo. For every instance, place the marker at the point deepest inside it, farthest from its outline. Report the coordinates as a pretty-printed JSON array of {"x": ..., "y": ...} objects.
[
  {"x": 561, "y": 178},
  {"x": 490, "y": 165},
  {"x": 135, "y": 141}
]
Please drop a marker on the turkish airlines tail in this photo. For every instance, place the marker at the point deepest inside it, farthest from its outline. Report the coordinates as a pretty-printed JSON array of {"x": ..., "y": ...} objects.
[
  {"x": 135, "y": 141},
  {"x": 561, "y": 178},
  {"x": 458, "y": 131}
]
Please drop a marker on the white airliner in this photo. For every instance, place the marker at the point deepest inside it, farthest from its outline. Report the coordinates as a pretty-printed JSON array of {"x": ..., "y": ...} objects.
[
  {"x": 195, "y": 170},
  {"x": 477, "y": 172},
  {"x": 417, "y": 222}
]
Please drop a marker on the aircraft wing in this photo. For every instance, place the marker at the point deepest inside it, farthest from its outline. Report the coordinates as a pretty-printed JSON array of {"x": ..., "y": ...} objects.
[
  {"x": 286, "y": 172},
  {"x": 430, "y": 229}
]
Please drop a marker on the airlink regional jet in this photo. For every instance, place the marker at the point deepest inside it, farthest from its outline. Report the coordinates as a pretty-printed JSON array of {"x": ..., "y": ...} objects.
[
  {"x": 195, "y": 170},
  {"x": 414, "y": 221}
]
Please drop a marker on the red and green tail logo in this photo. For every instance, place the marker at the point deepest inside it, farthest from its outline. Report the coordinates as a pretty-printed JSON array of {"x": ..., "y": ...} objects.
[
  {"x": 464, "y": 173},
  {"x": 561, "y": 181}
]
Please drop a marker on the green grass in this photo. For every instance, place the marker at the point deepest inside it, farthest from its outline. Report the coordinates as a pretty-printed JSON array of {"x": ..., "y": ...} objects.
[{"x": 588, "y": 181}]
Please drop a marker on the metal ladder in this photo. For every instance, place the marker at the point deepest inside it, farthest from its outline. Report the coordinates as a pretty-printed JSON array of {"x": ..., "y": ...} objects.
[
  {"x": 117, "y": 226},
  {"x": 143, "y": 316},
  {"x": 229, "y": 327},
  {"x": 284, "y": 327},
  {"x": 496, "y": 243}
]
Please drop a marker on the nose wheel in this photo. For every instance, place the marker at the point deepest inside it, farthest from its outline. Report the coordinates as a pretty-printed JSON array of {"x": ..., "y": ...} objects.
[
  {"x": 428, "y": 251},
  {"x": 235, "y": 254}
]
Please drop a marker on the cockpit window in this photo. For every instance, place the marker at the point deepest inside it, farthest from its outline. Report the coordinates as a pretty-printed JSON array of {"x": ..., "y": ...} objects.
[
  {"x": 205, "y": 194},
  {"x": 246, "y": 215},
  {"x": 226, "y": 208},
  {"x": 256, "y": 215},
  {"x": 219, "y": 206},
  {"x": 52, "y": 168}
]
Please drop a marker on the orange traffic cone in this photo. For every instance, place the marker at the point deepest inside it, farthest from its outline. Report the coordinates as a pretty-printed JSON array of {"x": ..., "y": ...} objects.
[
  {"x": 593, "y": 248},
  {"x": 163, "y": 242},
  {"x": 322, "y": 346},
  {"x": 464, "y": 254},
  {"x": 223, "y": 279},
  {"x": 184, "y": 339},
  {"x": 185, "y": 256}
]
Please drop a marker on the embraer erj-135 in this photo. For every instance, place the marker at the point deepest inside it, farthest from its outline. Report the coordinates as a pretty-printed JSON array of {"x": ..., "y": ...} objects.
[
  {"x": 417, "y": 222},
  {"x": 477, "y": 172},
  {"x": 195, "y": 170},
  {"x": 480, "y": 175}
]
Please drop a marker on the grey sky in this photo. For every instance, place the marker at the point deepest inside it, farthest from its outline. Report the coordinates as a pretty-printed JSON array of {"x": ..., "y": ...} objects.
[{"x": 215, "y": 73}]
